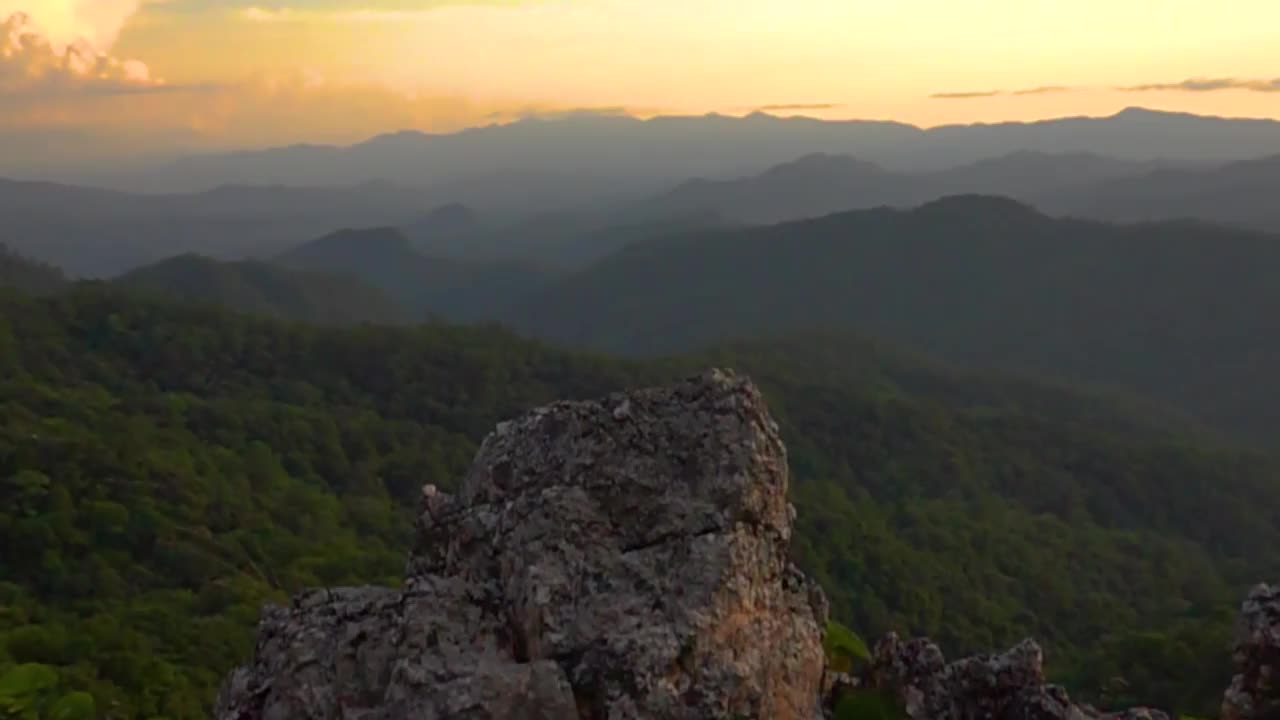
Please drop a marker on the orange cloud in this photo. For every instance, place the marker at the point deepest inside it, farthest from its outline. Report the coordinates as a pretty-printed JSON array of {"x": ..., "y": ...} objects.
[
  {"x": 31, "y": 64},
  {"x": 1211, "y": 85},
  {"x": 92, "y": 23},
  {"x": 966, "y": 95},
  {"x": 266, "y": 109},
  {"x": 71, "y": 86}
]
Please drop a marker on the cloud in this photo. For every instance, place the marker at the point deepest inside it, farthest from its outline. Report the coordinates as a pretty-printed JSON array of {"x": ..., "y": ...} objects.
[
  {"x": 797, "y": 106},
  {"x": 342, "y": 11},
  {"x": 529, "y": 112},
  {"x": 1043, "y": 90},
  {"x": 1199, "y": 85},
  {"x": 46, "y": 87},
  {"x": 31, "y": 65},
  {"x": 261, "y": 110},
  {"x": 92, "y": 23},
  {"x": 966, "y": 95}
]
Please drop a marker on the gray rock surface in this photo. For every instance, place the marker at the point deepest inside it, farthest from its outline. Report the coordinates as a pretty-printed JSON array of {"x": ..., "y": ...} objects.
[
  {"x": 1007, "y": 686},
  {"x": 624, "y": 558},
  {"x": 1254, "y": 693}
]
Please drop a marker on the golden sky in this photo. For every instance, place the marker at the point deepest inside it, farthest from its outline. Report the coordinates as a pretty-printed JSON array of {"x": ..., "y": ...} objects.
[{"x": 258, "y": 71}]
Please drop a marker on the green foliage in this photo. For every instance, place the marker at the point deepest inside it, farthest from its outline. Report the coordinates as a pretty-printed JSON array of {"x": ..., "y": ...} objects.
[
  {"x": 164, "y": 471},
  {"x": 264, "y": 289},
  {"x": 28, "y": 275},
  {"x": 844, "y": 648},
  {"x": 31, "y": 692},
  {"x": 867, "y": 704}
]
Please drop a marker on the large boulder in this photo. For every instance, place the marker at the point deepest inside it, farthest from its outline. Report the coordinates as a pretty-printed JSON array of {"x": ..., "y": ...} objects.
[{"x": 623, "y": 558}]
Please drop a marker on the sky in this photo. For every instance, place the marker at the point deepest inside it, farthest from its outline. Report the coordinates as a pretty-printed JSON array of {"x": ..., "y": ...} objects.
[{"x": 256, "y": 72}]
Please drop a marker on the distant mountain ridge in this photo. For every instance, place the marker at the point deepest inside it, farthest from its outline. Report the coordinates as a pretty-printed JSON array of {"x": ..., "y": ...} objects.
[
  {"x": 553, "y": 214},
  {"x": 627, "y": 155},
  {"x": 95, "y": 232},
  {"x": 426, "y": 285},
  {"x": 564, "y": 239},
  {"x": 1181, "y": 312},
  {"x": 1242, "y": 193},
  {"x": 1080, "y": 184}
]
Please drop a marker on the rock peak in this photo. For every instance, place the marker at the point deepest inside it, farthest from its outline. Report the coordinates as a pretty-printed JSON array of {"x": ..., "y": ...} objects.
[{"x": 618, "y": 558}]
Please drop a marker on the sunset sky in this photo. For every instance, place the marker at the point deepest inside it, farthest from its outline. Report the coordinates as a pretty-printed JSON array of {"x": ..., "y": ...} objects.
[{"x": 257, "y": 72}]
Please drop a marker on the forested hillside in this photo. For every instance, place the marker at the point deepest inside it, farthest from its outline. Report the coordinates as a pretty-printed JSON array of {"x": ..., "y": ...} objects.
[
  {"x": 443, "y": 287},
  {"x": 259, "y": 288},
  {"x": 1183, "y": 313},
  {"x": 28, "y": 275},
  {"x": 165, "y": 470}
]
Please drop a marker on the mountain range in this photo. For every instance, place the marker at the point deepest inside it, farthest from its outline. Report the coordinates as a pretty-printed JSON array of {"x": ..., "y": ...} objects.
[
  {"x": 426, "y": 286},
  {"x": 1058, "y": 426},
  {"x": 1181, "y": 311},
  {"x": 594, "y": 158},
  {"x": 95, "y": 232},
  {"x": 1080, "y": 184},
  {"x": 1178, "y": 313},
  {"x": 550, "y": 220}
]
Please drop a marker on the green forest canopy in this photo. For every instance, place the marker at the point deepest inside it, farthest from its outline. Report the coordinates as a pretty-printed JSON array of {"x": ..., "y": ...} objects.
[{"x": 165, "y": 470}]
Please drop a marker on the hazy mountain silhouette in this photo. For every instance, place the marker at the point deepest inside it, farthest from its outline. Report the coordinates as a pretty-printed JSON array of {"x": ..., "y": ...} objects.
[
  {"x": 588, "y": 158},
  {"x": 436, "y": 286},
  {"x": 539, "y": 217},
  {"x": 263, "y": 289},
  {"x": 562, "y": 239},
  {"x": 94, "y": 232},
  {"x": 1029, "y": 173},
  {"x": 1183, "y": 312},
  {"x": 1242, "y": 193},
  {"x": 820, "y": 184},
  {"x": 447, "y": 230},
  {"x": 813, "y": 185}
]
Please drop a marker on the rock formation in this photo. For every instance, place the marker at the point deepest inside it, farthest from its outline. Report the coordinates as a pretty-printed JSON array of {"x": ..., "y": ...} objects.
[
  {"x": 625, "y": 558},
  {"x": 1254, "y": 693},
  {"x": 986, "y": 687}
]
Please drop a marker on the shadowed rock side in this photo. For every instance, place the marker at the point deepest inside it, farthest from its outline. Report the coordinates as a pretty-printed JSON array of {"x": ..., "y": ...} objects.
[
  {"x": 624, "y": 559},
  {"x": 1254, "y": 693}
]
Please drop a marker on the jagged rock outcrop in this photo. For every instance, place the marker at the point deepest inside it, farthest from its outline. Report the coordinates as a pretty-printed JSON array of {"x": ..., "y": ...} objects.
[
  {"x": 624, "y": 558},
  {"x": 1008, "y": 686},
  {"x": 1254, "y": 693}
]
